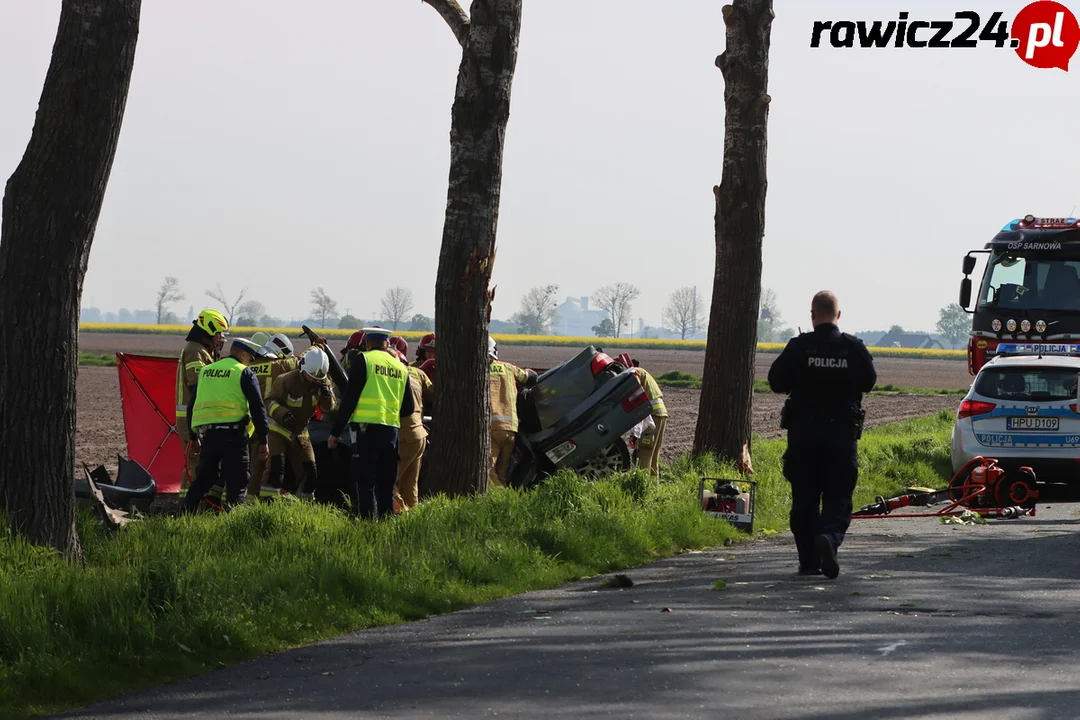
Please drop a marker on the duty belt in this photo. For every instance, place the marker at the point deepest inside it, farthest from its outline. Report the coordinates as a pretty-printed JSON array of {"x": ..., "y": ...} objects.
[{"x": 226, "y": 426}]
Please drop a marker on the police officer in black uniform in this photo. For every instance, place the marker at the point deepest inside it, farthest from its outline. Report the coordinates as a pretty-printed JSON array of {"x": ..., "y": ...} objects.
[{"x": 825, "y": 373}]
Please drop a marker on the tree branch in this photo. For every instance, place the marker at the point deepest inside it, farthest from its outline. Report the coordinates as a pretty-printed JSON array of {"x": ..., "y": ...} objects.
[{"x": 454, "y": 16}]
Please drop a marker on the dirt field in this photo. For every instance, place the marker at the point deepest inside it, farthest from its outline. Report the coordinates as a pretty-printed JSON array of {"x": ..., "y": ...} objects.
[
  {"x": 904, "y": 372},
  {"x": 100, "y": 434}
]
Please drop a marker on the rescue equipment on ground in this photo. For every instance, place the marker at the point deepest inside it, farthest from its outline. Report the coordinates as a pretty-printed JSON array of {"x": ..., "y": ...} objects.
[{"x": 730, "y": 500}]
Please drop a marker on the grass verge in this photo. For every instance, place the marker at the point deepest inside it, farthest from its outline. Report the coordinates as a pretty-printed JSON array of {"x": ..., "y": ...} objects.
[
  {"x": 675, "y": 378},
  {"x": 92, "y": 360},
  {"x": 171, "y": 597}
]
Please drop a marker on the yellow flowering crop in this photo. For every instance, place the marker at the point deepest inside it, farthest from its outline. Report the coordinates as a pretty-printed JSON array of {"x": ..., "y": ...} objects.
[{"x": 509, "y": 340}]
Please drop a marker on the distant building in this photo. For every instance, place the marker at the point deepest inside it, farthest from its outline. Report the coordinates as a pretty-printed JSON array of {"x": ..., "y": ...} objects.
[
  {"x": 574, "y": 318},
  {"x": 911, "y": 341}
]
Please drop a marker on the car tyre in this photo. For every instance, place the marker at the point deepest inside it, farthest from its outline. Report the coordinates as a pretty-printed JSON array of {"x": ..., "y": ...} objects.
[{"x": 613, "y": 458}]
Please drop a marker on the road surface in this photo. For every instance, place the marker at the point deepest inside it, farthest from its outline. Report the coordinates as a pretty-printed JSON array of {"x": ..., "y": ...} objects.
[{"x": 925, "y": 621}]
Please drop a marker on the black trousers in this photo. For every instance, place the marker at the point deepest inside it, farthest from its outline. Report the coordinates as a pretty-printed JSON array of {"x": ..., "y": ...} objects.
[
  {"x": 822, "y": 465},
  {"x": 223, "y": 457},
  {"x": 334, "y": 478},
  {"x": 374, "y": 470}
]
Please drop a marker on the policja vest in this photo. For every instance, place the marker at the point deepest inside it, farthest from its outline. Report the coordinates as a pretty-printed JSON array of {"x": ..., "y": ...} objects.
[
  {"x": 219, "y": 398},
  {"x": 380, "y": 400}
]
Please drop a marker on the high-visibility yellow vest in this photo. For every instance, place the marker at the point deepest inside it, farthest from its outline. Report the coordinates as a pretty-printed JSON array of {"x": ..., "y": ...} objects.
[
  {"x": 380, "y": 401},
  {"x": 220, "y": 399}
]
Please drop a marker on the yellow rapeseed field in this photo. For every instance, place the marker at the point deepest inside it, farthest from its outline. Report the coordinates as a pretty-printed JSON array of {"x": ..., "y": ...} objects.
[{"x": 539, "y": 340}]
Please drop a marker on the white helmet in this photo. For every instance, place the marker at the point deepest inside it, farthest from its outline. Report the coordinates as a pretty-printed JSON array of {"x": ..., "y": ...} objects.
[
  {"x": 261, "y": 337},
  {"x": 270, "y": 351},
  {"x": 284, "y": 344},
  {"x": 315, "y": 364},
  {"x": 493, "y": 349}
]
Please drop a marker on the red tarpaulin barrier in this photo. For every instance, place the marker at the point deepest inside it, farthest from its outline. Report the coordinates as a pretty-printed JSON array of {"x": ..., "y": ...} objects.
[{"x": 148, "y": 396}]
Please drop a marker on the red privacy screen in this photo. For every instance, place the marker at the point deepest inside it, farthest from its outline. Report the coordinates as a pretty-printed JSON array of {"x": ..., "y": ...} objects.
[{"x": 148, "y": 396}]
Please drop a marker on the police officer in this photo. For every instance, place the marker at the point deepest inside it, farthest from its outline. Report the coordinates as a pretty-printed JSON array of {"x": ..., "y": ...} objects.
[
  {"x": 201, "y": 347},
  {"x": 825, "y": 372},
  {"x": 226, "y": 398},
  {"x": 376, "y": 399}
]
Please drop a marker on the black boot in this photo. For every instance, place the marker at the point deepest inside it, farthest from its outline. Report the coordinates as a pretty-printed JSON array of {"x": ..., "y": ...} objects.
[{"x": 829, "y": 567}]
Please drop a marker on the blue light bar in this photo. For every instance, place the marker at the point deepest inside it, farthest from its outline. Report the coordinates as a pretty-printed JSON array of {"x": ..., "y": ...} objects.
[
  {"x": 1040, "y": 223},
  {"x": 1037, "y": 349}
]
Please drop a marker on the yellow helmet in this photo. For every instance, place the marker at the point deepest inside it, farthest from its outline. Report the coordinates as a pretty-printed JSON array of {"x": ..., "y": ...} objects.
[{"x": 212, "y": 322}]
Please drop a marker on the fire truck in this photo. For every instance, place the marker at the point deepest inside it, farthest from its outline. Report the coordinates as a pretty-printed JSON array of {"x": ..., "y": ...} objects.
[{"x": 1030, "y": 289}]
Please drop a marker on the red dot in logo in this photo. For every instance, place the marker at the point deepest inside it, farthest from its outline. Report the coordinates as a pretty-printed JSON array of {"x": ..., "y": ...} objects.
[{"x": 1046, "y": 34}]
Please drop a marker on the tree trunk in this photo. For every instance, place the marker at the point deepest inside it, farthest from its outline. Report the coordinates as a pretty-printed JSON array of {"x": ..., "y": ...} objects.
[
  {"x": 724, "y": 417},
  {"x": 461, "y": 446},
  {"x": 50, "y": 211}
]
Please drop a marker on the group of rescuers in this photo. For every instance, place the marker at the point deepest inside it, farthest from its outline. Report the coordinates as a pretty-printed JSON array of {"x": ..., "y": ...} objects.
[{"x": 263, "y": 421}]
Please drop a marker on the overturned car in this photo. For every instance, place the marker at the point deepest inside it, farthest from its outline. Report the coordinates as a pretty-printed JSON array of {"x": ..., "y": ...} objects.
[{"x": 575, "y": 417}]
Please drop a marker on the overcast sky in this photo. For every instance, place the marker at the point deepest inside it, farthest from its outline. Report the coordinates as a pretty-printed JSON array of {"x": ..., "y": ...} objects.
[{"x": 281, "y": 146}]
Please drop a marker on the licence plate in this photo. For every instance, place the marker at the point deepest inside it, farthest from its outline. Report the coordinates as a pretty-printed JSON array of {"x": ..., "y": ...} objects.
[
  {"x": 560, "y": 452},
  {"x": 1032, "y": 423}
]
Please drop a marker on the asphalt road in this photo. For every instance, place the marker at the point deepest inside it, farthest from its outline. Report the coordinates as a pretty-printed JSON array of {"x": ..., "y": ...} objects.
[{"x": 925, "y": 621}]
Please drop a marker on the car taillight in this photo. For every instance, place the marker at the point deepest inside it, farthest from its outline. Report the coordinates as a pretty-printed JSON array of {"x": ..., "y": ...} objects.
[
  {"x": 969, "y": 408},
  {"x": 634, "y": 399},
  {"x": 1073, "y": 408}
]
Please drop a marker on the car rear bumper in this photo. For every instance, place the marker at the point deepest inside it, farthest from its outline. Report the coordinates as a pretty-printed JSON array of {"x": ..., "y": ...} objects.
[{"x": 1051, "y": 465}]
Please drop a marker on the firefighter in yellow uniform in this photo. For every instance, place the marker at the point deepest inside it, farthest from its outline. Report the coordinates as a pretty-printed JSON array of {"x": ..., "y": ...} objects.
[
  {"x": 267, "y": 368},
  {"x": 653, "y": 438},
  {"x": 375, "y": 401},
  {"x": 200, "y": 349},
  {"x": 505, "y": 380},
  {"x": 225, "y": 400},
  {"x": 412, "y": 440},
  {"x": 290, "y": 405}
]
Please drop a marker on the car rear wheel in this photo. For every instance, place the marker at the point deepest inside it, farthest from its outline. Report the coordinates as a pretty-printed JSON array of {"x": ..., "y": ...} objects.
[{"x": 614, "y": 458}]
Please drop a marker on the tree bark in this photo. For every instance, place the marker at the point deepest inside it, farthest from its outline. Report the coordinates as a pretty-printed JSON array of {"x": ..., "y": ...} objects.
[
  {"x": 50, "y": 211},
  {"x": 724, "y": 417},
  {"x": 481, "y": 110}
]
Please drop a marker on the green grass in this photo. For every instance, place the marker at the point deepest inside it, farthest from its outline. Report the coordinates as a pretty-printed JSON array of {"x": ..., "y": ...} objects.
[
  {"x": 92, "y": 360},
  {"x": 171, "y": 597},
  {"x": 686, "y": 380}
]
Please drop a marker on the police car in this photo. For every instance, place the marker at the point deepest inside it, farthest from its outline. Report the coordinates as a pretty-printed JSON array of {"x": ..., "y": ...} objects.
[{"x": 1022, "y": 410}]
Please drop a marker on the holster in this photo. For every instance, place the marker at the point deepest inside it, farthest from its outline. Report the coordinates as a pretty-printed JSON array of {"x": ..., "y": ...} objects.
[
  {"x": 785, "y": 415},
  {"x": 857, "y": 420}
]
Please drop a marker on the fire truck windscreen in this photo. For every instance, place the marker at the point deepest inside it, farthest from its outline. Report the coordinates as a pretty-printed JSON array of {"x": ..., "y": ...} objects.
[{"x": 1031, "y": 281}]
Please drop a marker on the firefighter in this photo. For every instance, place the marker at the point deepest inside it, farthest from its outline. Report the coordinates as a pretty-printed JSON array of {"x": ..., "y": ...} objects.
[
  {"x": 412, "y": 438},
  {"x": 505, "y": 380},
  {"x": 284, "y": 345},
  {"x": 825, "y": 373},
  {"x": 653, "y": 438},
  {"x": 425, "y": 350},
  {"x": 353, "y": 346},
  {"x": 290, "y": 405},
  {"x": 223, "y": 402},
  {"x": 377, "y": 398},
  {"x": 268, "y": 367},
  {"x": 201, "y": 348}
]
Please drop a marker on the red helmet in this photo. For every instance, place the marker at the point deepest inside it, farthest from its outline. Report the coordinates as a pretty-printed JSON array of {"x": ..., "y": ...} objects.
[
  {"x": 427, "y": 342},
  {"x": 429, "y": 368},
  {"x": 356, "y": 339},
  {"x": 402, "y": 357},
  {"x": 400, "y": 343}
]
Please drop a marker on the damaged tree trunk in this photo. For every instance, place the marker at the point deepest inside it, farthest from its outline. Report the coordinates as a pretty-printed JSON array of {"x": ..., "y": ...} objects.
[
  {"x": 50, "y": 211},
  {"x": 724, "y": 417},
  {"x": 489, "y": 41}
]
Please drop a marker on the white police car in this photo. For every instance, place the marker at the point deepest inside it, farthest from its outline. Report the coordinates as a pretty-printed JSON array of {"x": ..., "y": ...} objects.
[{"x": 1022, "y": 410}]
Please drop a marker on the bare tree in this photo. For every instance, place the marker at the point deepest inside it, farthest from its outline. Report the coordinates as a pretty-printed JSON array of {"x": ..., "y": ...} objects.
[
  {"x": 769, "y": 317},
  {"x": 724, "y": 413},
  {"x": 684, "y": 312},
  {"x": 229, "y": 307},
  {"x": 323, "y": 306},
  {"x": 249, "y": 312},
  {"x": 615, "y": 300},
  {"x": 50, "y": 212},
  {"x": 397, "y": 303},
  {"x": 489, "y": 47},
  {"x": 537, "y": 311},
  {"x": 169, "y": 293}
]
